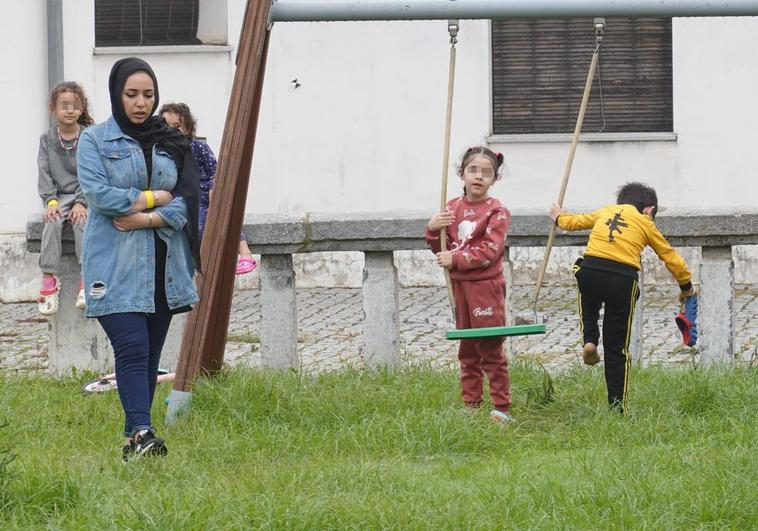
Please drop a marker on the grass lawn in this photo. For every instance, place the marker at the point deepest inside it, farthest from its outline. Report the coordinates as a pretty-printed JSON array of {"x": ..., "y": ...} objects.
[{"x": 390, "y": 449}]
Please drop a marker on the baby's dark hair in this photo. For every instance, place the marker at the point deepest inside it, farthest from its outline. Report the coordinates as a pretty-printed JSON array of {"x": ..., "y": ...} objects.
[
  {"x": 75, "y": 88},
  {"x": 183, "y": 110},
  {"x": 637, "y": 194},
  {"x": 470, "y": 153}
]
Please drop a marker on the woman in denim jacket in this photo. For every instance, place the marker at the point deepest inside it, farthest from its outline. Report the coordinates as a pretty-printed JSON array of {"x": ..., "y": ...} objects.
[{"x": 140, "y": 248}]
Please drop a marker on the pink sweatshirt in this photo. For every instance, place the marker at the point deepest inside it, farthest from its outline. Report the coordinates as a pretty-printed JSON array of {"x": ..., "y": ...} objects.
[{"x": 476, "y": 237}]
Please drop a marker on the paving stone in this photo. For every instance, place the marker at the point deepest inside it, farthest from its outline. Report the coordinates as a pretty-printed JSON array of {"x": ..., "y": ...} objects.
[{"x": 329, "y": 336}]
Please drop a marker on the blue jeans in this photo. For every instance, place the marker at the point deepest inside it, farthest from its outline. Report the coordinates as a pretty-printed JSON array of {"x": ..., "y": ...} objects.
[{"x": 137, "y": 340}]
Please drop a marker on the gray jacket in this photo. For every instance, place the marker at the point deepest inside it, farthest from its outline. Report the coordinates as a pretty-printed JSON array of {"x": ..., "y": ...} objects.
[{"x": 57, "y": 169}]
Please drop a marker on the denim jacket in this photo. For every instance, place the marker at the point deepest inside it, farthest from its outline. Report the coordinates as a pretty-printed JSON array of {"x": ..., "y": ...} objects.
[{"x": 119, "y": 267}]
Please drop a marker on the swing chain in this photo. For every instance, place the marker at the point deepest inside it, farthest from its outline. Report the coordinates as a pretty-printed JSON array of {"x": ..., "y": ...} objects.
[{"x": 452, "y": 28}]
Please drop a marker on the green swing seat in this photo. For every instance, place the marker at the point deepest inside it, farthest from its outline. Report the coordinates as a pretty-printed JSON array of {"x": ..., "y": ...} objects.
[{"x": 496, "y": 331}]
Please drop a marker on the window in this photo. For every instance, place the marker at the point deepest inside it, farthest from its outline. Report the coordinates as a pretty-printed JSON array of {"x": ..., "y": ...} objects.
[
  {"x": 540, "y": 69},
  {"x": 159, "y": 22}
]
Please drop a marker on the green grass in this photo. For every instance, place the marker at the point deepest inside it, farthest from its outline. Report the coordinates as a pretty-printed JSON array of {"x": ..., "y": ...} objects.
[
  {"x": 245, "y": 337},
  {"x": 388, "y": 449}
]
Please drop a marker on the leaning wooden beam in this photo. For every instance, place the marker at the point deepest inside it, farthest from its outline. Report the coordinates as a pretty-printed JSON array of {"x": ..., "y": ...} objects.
[{"x": 204, "y": 339}]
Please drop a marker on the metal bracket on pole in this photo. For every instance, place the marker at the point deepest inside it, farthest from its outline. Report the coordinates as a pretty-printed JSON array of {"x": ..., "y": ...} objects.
[
  {"x": 452, "y": 28},
  {"x": 270, "y": 21},
  {"x": 599, "y": 29}
]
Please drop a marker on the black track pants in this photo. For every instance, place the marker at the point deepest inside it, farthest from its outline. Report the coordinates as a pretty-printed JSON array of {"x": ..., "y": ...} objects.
[{"x": 619, "y": 294}]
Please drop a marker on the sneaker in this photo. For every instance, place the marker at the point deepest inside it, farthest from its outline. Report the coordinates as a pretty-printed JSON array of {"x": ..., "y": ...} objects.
[
  {"x": 128, "y": 451},
  {"x": 501, "y": 416},
  {"x": 590, "y": 355},
  {"x": 48, "y": 296},
  {"x": 146, "y": 443},
  {"x": 245, "y": 264},
  {"x": 80, "y": 300},
  {"x": 686, "y": 320}
]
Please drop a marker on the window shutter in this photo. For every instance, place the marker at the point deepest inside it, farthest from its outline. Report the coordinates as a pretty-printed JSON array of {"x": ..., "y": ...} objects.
[
  {"x": 540, "y": 68},
  {"x": 145, "y": 22}
]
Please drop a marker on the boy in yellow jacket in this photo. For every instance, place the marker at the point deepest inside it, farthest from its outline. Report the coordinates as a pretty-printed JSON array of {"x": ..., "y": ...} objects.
[{"x": 608, "y": 275}]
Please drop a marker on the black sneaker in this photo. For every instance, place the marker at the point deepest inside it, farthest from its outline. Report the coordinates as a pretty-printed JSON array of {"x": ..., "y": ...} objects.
[
  {"x": 148, "y": 444},
  {"x": 128, "y": 450}
]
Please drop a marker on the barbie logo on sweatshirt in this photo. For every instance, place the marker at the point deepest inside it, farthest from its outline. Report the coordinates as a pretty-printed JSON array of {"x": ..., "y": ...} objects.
[{"x": 483, "y": 312}]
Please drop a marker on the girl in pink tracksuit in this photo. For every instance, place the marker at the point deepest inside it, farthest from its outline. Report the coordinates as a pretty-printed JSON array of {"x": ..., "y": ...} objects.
[{"x": 476, "y": 226}]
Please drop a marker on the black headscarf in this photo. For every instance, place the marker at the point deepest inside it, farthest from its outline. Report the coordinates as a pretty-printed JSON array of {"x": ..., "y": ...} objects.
[{"x": 154, "y": 131}]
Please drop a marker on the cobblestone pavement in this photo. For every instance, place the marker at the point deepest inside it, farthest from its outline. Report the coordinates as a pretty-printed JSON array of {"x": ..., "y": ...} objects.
[{"x": 330, "y": 329}]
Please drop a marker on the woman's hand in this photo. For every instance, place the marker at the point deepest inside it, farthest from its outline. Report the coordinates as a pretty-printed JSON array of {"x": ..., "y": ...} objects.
[
  {"x": 136, "y": 221},
  {"x": 445, "y": 259},
  {"x": 78, "y": 213},
  {"x": 440, "y": 220},
  {"x": 555, "y": 211},
  {"x": 52, "y": 213},
  {"x": 162, "y": 197}
]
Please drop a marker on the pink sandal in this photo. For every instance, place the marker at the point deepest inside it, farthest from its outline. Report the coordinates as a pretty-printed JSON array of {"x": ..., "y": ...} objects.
[
  {"x": 245, "y": 265},
  {"x": 47, "y": 303}
]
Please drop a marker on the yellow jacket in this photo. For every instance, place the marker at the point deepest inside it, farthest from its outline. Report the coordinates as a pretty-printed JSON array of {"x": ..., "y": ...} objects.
[{"x": 620, "y": 233}]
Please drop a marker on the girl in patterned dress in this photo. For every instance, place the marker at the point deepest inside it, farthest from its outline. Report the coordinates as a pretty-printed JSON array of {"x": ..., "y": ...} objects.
[{"x": 178, "y": 115}]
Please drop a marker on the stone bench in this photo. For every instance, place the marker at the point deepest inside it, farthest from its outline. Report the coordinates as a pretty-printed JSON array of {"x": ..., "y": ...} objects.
[
  {"x": 79, "y": 342},
  {"x": 378, "y": 235},
  {"x": 73, "y": 340}
]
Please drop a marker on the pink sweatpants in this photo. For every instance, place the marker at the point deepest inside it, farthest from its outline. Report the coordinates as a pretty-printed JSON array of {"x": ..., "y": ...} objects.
[{"x": 480, "y": 304}]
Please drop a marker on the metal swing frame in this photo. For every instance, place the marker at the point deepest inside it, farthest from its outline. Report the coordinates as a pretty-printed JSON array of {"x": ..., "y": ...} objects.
[
  {"x": 359, "y": 10},
  {"x": 455, "y": 10},
  {"x": 204, "y": 339}
]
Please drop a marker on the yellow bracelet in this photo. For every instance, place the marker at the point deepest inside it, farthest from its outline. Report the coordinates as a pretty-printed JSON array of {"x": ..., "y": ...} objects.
[
  {"x": 150, "y": 199},
  {"x": 52, "y": 202}
]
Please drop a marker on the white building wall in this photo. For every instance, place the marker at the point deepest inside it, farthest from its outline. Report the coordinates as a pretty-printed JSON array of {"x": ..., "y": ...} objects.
[
  {"x": 363, "y": 131},
  {"x": 23, "y": 86},
  {"x": 365, "y": 127},
  {"x": 715, "y": 112}
]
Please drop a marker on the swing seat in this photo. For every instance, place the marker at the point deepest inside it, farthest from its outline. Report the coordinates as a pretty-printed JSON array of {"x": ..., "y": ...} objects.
[{"x": 496, "y": 331}]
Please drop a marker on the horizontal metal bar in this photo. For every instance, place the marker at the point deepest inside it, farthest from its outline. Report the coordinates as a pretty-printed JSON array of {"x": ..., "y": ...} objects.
[{"x": 346, "y": 10}]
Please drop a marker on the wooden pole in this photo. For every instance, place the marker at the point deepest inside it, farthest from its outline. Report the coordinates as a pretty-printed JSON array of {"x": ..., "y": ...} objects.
[
  {"x": 204, "y": 339},
  {"x": 567, "y": 170},
  {"x": 446, "y": 160}
]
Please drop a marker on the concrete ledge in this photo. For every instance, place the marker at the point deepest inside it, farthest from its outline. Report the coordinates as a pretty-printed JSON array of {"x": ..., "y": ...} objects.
[
  {"x": 75, "y": 341},
  {"x": 404, "y": 231},
  {"x": 34, "y": 226},
  {"x": 277, "y": 237}
]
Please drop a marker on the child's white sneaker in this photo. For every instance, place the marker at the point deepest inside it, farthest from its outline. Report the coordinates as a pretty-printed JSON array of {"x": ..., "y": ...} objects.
[
  {"x": 80, "y": 300},
  {"x": 48, "y": 296},
  {"x": 501, "y": 417}
]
